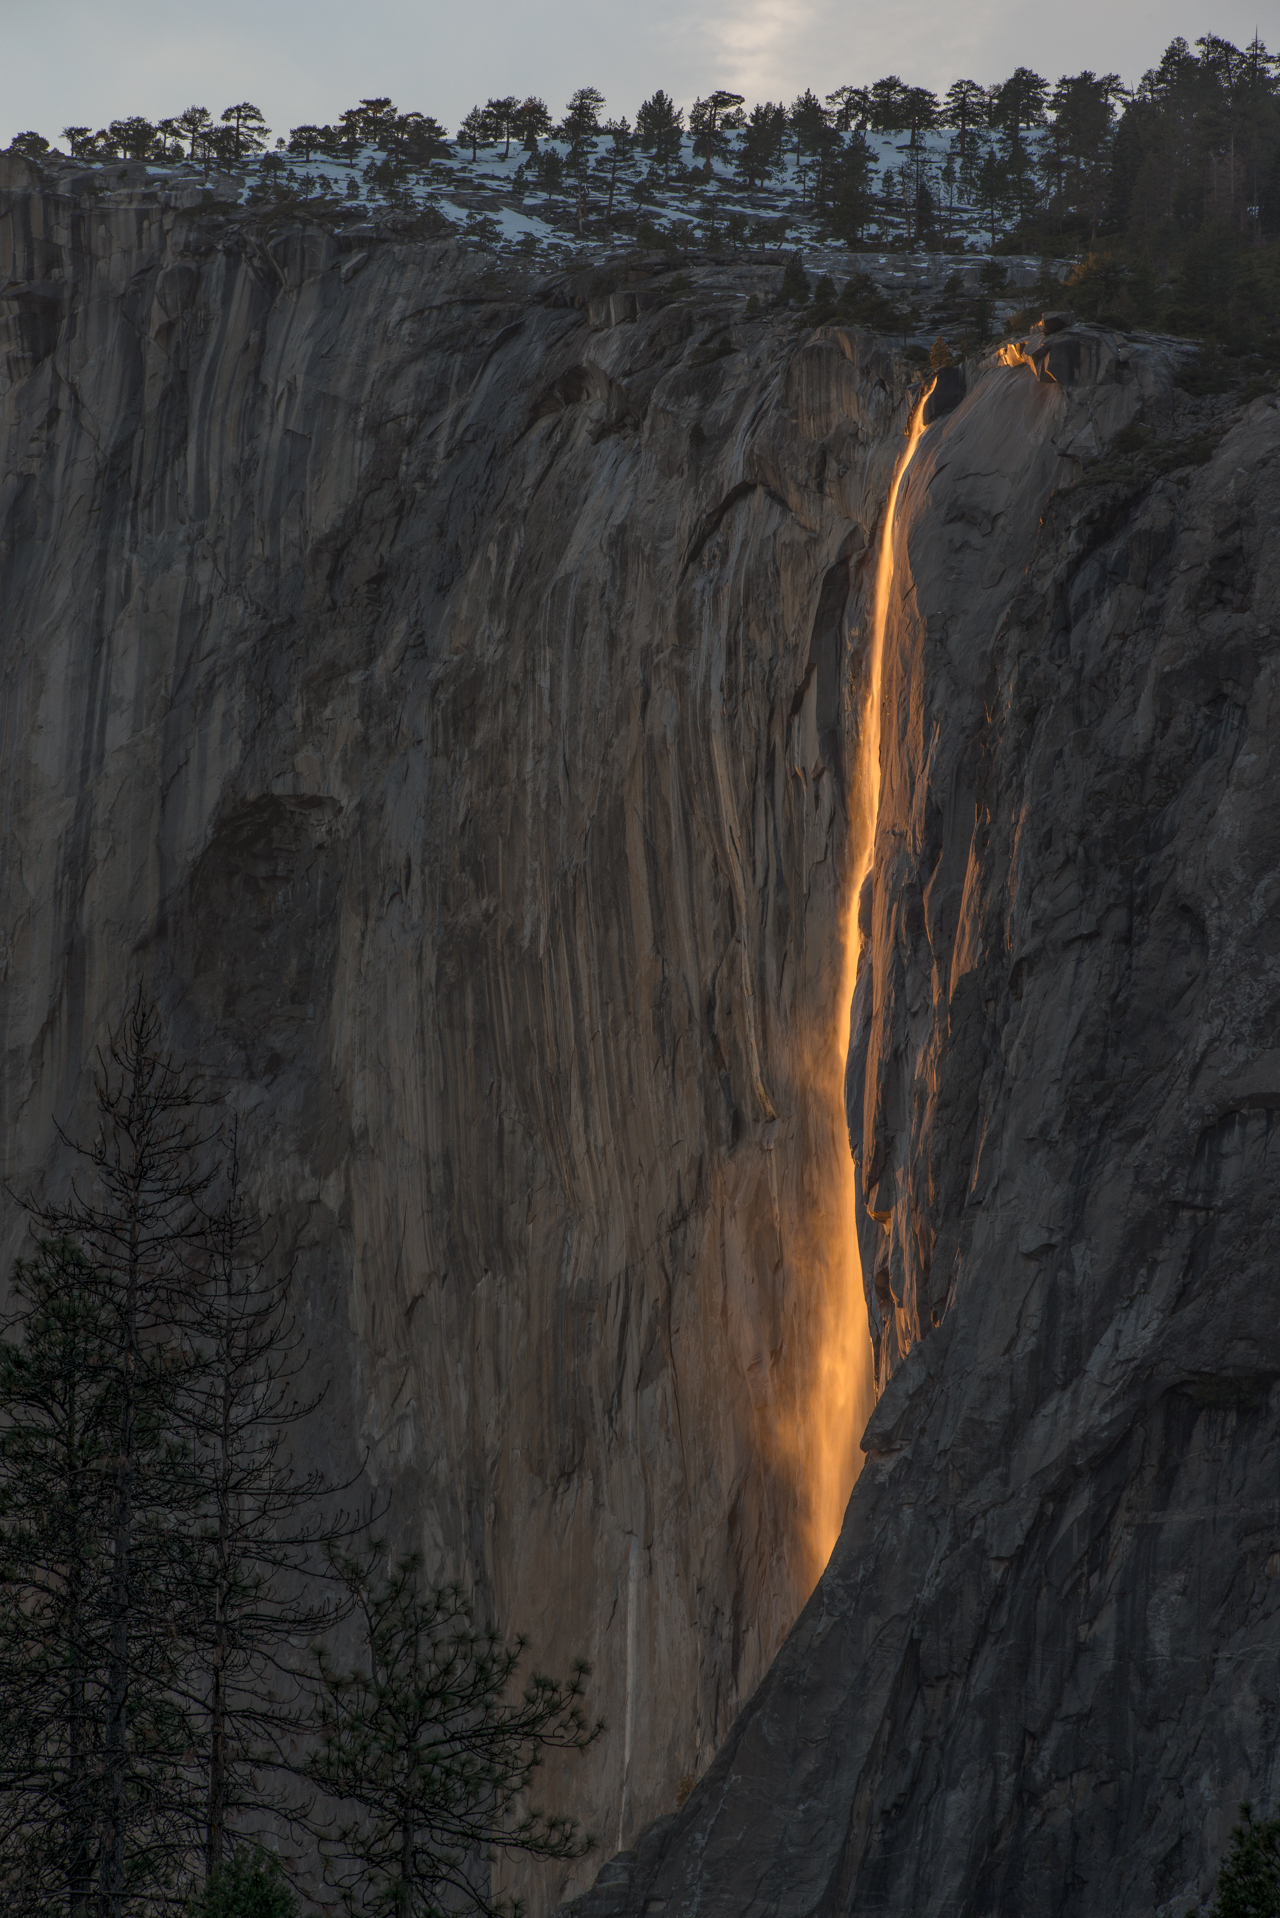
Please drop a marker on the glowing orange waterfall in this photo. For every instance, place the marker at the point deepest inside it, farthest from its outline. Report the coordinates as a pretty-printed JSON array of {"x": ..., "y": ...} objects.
[
  {"x": 843, "y": 1391},
  {"x": 867, "y": 799}
]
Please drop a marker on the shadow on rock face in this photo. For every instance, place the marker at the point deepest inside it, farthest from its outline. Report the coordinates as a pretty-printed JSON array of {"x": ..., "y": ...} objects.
[
  {"x": 948, "y": 390},
  {"x": 257, "y": 945}
]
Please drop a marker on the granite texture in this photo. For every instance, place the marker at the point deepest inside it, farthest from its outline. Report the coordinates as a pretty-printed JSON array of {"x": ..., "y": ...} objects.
[
  {"x": 445, "y": 693},
  {"x": 440, "y": 692},
  {"x": 1040, "y": 1672}
]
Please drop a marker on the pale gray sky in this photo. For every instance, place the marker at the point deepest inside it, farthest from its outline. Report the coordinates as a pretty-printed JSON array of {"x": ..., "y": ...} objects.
[{"x": 68, "y": 62}]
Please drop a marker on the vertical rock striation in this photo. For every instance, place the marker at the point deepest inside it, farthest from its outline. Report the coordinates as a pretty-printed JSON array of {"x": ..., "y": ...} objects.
[
  {"x": 1041, "y": 1669},
  {"x": 441, "y": 694},
  {"x": 444, "y": 694}
]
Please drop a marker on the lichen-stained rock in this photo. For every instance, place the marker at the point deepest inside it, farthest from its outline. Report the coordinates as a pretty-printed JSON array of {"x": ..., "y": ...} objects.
[
  {"x": 446, "y": 709},
  {"x": 1043, "y": 1666}
]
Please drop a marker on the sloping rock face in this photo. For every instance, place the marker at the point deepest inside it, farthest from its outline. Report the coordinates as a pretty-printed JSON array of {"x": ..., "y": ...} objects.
[
  {"x": 443, "y": 701},
  {"x": 1041, "y": 1669}
]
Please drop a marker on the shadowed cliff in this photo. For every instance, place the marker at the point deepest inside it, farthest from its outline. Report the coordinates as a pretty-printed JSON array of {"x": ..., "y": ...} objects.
[
  {"x": 1040, "y": 1671},
  {"x": 445, "y": 694},
  {"x": 441, "y": 692}
]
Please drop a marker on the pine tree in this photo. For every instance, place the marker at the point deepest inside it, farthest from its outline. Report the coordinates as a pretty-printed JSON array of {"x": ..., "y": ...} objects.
[
  {"x": 406, "y": 139},
  {"x": 706, "y": 120},
  {"x": 659, "y": 130},
  {"x": 195, "y": 123},
  {"x": 92, "y": 1496},
  {"x": 306, "y": 140},
  {"x": 849, "y": 203},
  {"x": 31, "y": 145},
  {"x": 808, "y": 123},
  {"x": 247, "y": 128},
  {"x": 378, "y": 121},
  {"x": 502, "y": 118},
  {"x": 156, "y": 1541},
  {"x": 422, "y": 1741},
  {"x": 622, "y": 144},
  {"x": 889, "y": 112},
  {"x": 757, "y": 149},
  {"x": 964, "y": 107},
  {"x": 1080, "y": 143},
  {"x": 170, "y": 143},
  {"x": 249, "y": 1600},
  {"x": 373, "y": 123},
  {"x": 850, "y": 109},
  {"x": 58, "y": 1422},
  {"x": 531, "y": 121},
  {"x": 252, "y": 1885},
  {"x": 992, "y": 190},
  {"x": 476, "y": 131},
  {"x": 948, "y": 178},
  {"x": 1016, "y": 107},
  {"x": 551, "y": 171},
  {"x": 581, "y": 124},
  {"x": 136, "y": 1227},
  {"x": 1249, "y": 1877},
  {"x": 921, "y": 110},
  {"x": 794, "y": 290},
  {"x": 134, "y": 138}
]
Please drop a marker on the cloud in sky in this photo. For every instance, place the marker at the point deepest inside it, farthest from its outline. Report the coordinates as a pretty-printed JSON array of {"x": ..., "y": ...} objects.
[{"x": 78, "y": 61}]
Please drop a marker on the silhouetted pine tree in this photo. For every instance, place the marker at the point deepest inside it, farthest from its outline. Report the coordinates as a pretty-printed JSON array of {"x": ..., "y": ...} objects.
[{"x": 427, "y": 1755}]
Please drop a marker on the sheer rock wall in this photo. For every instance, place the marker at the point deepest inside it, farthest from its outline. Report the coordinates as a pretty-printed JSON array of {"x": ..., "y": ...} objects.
[
  {"x": 441, "y": 697},
  {"x": 1041, "y": 1672}
]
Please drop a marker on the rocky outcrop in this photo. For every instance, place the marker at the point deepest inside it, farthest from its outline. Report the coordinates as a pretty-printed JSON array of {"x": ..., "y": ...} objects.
[
  {"x": 1040, "y": 1671},
  {"x": 441, "y": 692}
]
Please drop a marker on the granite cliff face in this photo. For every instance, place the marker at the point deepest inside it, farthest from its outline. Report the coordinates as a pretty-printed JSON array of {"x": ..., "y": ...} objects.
[
  {"x": 1040, "y": 1671},
  {"x": 441, "y": 694},
  {"x": 446, "y": 695}
]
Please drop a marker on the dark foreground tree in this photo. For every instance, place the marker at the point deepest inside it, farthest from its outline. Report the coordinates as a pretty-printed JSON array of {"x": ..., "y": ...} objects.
[
  {"x": 157, "y": 1555},
  {"x": 155, "y": 1537},
  {"x": 57, "y": 1445},
  {"x": 427, "y": 1753},
  {"x": 1249, "y": 1878},
  {"x": 134, "y": 1216},
  {"x": 250, "y": 1597},
  {"x": 252, "y": 1885}
]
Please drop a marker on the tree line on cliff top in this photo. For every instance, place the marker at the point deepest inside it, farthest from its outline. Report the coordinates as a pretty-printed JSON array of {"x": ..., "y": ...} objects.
[
  {"x": 201, "y": 1653},
  {"x": 1170, "y": 190}
]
